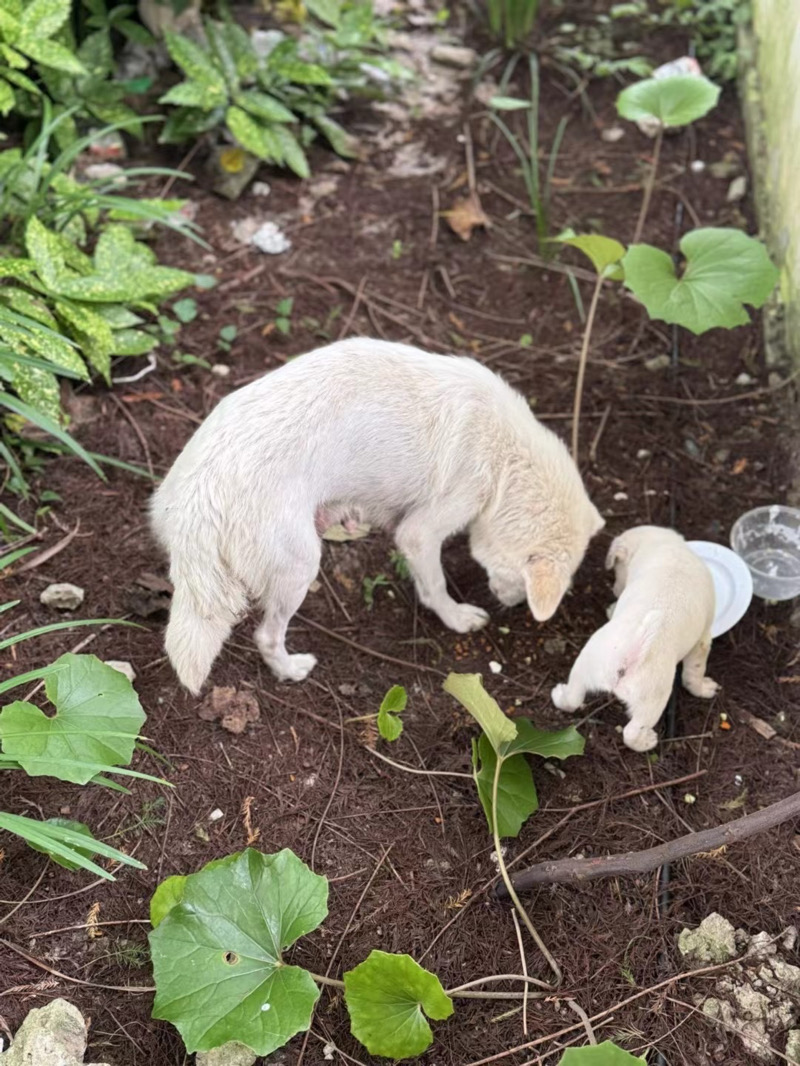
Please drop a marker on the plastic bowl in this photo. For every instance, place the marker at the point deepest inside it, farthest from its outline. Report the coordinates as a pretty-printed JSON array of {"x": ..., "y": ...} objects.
[{"x": 768, "y": 539}]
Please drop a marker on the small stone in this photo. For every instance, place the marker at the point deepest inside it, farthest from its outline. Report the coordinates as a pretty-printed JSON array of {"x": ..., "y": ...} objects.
[
  {"x": 713, "y": 941},
  {"x": 105, "y": 172},
  {"x": 54, "y": 1035},
  {"x": 744, "y": 379},
  {"x": 216, "y": 815},
  {"x": 691, "y": 448},
  {"x": 221, "y": 370},
  {"x": 619, "y": 496},
  {"x": 109, "y": 146},
  {"x": 123, "y": 668},
  {"x": 727, "y": 167},
  {"x": 793, "y": 1045},
  {"x": 555, "y": 646},
  {"x": 452, "y": 55},
  {"x": 495, "y": 667},
  {"x": 231, "y": 1054},
  {"x": 328, "y": 1051},
  {"x": 775, "y": 380},
  {"x": 690, "y": 799},
  {"x": 62, "y": 596},
  {"x": 612, "y": 134},
  {"x": 697, "y": 166},
  {"x": 347, "y": 689},
  {"x": 722, "y": 455},
  {"x": 643, "y": 453},
  {"x": 271, "y": 239},
  {"x": 261, "y": 188},
  {"x": 737, "y": 189},
  {"x": 658, "y": 362}
]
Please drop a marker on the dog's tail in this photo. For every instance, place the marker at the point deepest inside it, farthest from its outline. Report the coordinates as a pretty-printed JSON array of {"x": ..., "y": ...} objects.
[{"x": 208, "y": 599}]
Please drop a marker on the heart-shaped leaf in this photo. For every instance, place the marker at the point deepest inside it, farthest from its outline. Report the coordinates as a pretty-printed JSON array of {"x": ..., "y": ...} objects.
[
  {"x": 516, "y": 793},
  {"x": 394, "y": 703},
  {"x": 674, "y": 101},
  {"x": 558, "y": 744},
  {"x": 469, "y": 691},
  {"x": 216, "y": 954},
  {"x": 605, "y": 1054},
  {"x": 725, "y": 269},
  {"x": 96, "y": 722},
  {"x": 604, "y": 252},
  {"x": 388, "y": 997},
  {"x": 170, "y": 892}
]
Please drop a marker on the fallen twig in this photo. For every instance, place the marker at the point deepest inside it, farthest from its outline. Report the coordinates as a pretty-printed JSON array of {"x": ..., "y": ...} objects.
[{"x": 640, "y": 862}]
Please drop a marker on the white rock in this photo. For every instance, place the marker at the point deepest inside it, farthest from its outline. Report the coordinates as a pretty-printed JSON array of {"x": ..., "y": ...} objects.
[
  {"x": 643, "y": 453},
  {"x": 221, "y": 370},
  {"x": 261, "y": 188},
  {"x": 496, "y": 668},
  {"x": 744, "y": 379},
  {"x": 215, "y": 815},
  {"x": 612, "y": 134},
  {"x": 62, "y": 596},
  {"x": 713, "y": 940},
  {"x": 271, "y": 239},
  {"x": 697, "y": 166},
  {"x": 737, "y": 189},
  {"x": 54, "y": 1035},
  {"x": 453, "y": 55},
  {"x": 123, "y": 667},
  {"x": 230, "y": 1054}
]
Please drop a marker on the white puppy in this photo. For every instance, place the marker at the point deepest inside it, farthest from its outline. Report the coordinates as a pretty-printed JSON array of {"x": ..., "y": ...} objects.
[
  {"x": 426, "y": 445},
  {"x": 663, "y": 615}
]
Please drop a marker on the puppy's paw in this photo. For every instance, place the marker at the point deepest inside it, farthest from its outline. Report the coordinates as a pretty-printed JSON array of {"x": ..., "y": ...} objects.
[
  {"x": 464, "y": 618},
  {"x": 639, "y": 739},
  {"x": 707, "y": 689},
  {"x": 297, "y": 668},
  {"x": 559, "y": 698}
]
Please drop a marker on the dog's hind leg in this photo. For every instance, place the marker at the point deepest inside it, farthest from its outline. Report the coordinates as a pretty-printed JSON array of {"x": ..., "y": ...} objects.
[
  {"x": 287, "y": 583},
  {"x": 419, "y": 537},
  {"x": 645, "y": 710},
  {"x": 570, "y": 697},
  {"x": 694, "y": 670}
]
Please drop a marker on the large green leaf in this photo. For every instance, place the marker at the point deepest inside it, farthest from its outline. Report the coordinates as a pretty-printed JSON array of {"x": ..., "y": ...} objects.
[
  {"x": 92, "y": 332},
  {"x": 43, "y": 18},
  {"x": 725, "y": 269},
  {"x": 254, "y": 137},
  {"x": 605, "y": 1054},
  {"x": 388, "y": 997},
  {"x": 558, "y": 744},
  {"x": 38, "y": 388},
  {"x": 7, "y": 98},
  {"x": 469, "y": 691},
  {"x": 45, "y": 250},
  {"x": 390, "y": 726},
  {"x": 675, "y": 101},
  {"x": 516, "y": 793},
  {"x": 52, "y": 54},
  {"x": 264, "y": 106},
  {"x": 293, "y": 154},
  {"x": 171, "y": 891},
  {"x": 187, "y": 94},
  {"x": 216, "y": 954},
  {"x": 198, "y": 65},
  {"x": 342, "y": 142},
  {"x": 604, "y": 252},
  {"x": 96, "y": 722}
]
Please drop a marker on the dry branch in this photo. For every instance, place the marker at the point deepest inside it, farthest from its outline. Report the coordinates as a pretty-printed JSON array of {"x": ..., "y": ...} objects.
[{"x": 641, "y": 862}]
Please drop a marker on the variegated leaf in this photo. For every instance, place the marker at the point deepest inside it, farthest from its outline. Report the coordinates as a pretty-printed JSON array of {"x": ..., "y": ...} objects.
[
  {"x": 264, "y": 106},
  {"x": 7, "y": 99},
  {"x": 133, "y": 342},
  {"x": 91, "y": 331},
  {"x": 45, "y": 250},
  {"x": 252, "y": 135},
  {"x": 293, "y": 154},
  {"x": 25, "y": 303},
  {"x": 16, "y": 268},
  {"x": 43, "y": 18},
  {"x": 55, "y": 55},
  {"x": 133, "y": 287},
  {"x": 197, "y": 64},
  {"x": 189, "y": 94},
  {"x": 118, "y": 316},
  {"x": 39, "y": 388}
]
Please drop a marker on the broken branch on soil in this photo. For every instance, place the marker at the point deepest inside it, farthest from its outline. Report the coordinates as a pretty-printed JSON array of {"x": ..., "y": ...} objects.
[
  {"x": 369, "y": 651},
  {"x": 66, "y": 977},
  {"x": 640, "y": 862}
]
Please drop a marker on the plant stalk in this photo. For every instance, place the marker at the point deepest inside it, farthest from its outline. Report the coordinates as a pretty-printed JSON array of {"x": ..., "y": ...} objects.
[
  {"x": 587, "y": 334},
  {"x": 322, "y": 980},
  {"x": 648, "y": 188}
]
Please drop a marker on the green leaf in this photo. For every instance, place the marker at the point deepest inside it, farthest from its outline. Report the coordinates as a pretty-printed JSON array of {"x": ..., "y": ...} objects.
[
  {"x": 560, "y": 744},
  {"x": 216, "y": 955},
  {"x": 38, "y": 388},
  {"x": 325, "y": 10},
  {"x": 16, "y": 268},
  {"x": 190, "y": 94},
  {"x": 394, "y": 703},
  {"x": 168, "y": 895},
  {"x": 7, "y": 99},
  {"x": 133, "y": 342},
  {"x": 76, "y": 827},
  {"x": 342, "y": 142},
  {"x": 605, "y": 1054},
  {"x": 509, "y": 103},
  {"x": 388, "y": 997},
  {"x": 55, "y": 55},
  {"x": 259, "y": 140},
  {"x": 36, "y": 418},
  {"x": 96, "y": 722},
  {"x": 43, "y": 18},
  {"x": 264, "y": 107},
  {"x": 675, "y": 101},
  {"x": 293, "y": 154},
  {"x": 45, "y": 250},
  {"x": 198, "y": 64},
  {"x": 516, "y": 793},
  {"x": 604, "y": 252},
  {"x": 303, "y": 73},
  {"x": 66, "y": 843},
  {"x": 725, "y": 269},
  {"x": 469, "y": 691},
  {"x": 91, "y": 330}
]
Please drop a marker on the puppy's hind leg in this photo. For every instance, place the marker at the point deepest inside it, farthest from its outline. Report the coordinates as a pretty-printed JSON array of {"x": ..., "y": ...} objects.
[
  {"x": 645, "y": 709},
  {"x": 419, "y": 537},
  {"x": 287, "y": 584},
  {"x": 694, "y": 670},
  {"x": 570, "y": 697}
]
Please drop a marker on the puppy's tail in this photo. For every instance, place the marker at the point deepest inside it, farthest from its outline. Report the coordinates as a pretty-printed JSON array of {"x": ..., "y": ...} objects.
[{"x": 207, "y": 602}]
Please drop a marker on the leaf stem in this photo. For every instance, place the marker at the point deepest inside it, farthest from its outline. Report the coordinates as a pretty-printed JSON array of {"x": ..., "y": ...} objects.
[
  {"x": 415, "y": 770},
  {"x": 322, "y": 980},
  {"x": 510, "y": 888},
  {"x": 648, "y": 188},
  {"x": 587, "y": 333}
]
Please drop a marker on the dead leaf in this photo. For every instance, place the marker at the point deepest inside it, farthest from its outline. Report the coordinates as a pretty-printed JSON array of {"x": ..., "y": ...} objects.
[
  {"x": 740, "y": 466},
  {"x": 234, "y": 709},
  {"x": 466, "y": 216},
  {"x": 252, "y": 834},
  {"x": 736, "y": 803},
  {"x": 92, "y": 930},
  {"x": 340, "y": 534}
]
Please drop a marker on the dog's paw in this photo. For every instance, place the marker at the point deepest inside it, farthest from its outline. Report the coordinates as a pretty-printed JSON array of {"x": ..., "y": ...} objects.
[
  {"x": 707, "y": 689},
  {"x": 297, "y": 668},
  {"x": 464, "y": 618},
  {"x": 638, "y": 739},
  {"x": 559, "y": 698}
]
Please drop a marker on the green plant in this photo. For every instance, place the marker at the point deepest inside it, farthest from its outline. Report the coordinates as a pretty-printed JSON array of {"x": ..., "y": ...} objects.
[
  {"x": 724, "y": 269},
  {"x": 91, "y": 734},
  {"x": 590, "y": 50},
  {"x": 283, "y": 312},
  {"x": 511, "y": 21},
  {"x": 605, "y": 1054},
  {"x": 370, "y": 584},
  {"x": 669, "y": 103},
  {"x": 227, "y": 335},
  {"x": 537, "y": 185},
  {"x": 274, "y": 103}
]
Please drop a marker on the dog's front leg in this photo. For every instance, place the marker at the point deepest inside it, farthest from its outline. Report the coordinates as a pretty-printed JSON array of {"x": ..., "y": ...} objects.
[{"x": 420, "y": 541}]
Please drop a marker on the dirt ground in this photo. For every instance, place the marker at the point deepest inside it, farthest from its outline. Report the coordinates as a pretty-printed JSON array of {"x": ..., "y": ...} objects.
[{"x": 682, "y": 444}]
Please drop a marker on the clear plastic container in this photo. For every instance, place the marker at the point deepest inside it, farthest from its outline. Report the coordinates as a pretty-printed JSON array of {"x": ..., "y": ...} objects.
[{"x": 768, "y": 539}]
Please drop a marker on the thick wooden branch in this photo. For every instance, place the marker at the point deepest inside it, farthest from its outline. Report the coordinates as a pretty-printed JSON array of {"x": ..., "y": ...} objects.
[{"x": 641, "y": 862}]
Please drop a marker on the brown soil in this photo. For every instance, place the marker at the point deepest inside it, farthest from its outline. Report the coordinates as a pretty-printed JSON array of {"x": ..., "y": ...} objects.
[{"x": 713, "y": 450}]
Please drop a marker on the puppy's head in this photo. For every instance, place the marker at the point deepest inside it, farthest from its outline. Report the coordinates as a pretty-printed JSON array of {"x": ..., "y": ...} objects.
[
  {"x": 533, "y": 556},
  {"x": 633, "y": 542}
]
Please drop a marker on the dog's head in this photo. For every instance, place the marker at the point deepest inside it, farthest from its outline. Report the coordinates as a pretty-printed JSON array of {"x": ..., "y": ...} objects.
[
  {"x": 635, "y": 542},
  {"x": 533, "y": 554}
]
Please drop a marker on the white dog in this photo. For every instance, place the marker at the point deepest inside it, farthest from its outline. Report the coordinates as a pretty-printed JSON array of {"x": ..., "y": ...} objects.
[
  {"x": 663, "y": 615},
  {"x": 427, "y": 445}
]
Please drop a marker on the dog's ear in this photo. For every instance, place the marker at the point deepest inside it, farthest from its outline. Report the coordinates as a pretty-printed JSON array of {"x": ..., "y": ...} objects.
[
  {"x": 617, "y": 553},
  {"x": 545, "y": 584}
]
